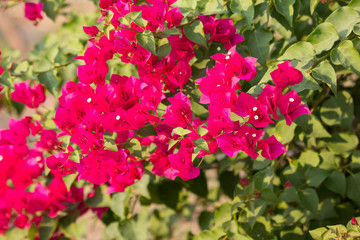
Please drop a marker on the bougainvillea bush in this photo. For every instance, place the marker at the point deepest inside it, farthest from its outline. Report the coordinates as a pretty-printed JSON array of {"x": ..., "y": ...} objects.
[{"x": 185, "y": 120}]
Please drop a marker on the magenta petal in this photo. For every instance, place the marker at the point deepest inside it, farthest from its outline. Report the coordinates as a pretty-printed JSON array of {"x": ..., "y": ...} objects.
[
  {"x": 271, "y": 147},
  {"x": 229, "y": 144}
]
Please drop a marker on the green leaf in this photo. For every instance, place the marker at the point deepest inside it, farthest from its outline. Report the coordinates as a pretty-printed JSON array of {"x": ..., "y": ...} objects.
[
  {"x": 356, "y": 29},
  {"x": 326, "y": 73},
  {"x": 202, "y": 144},
  {"x": 285, "y": 8},
  {"x": 42, "y": 65},
  {"x": 135, "y": 148},
  {"x": 283, "y": 132},
  {"x": 146, "y": 131},
  {"x": 355, "y": 160},
  {"x": 47, "y": 227},
  {"x": 195, "y": 33},
  {"x": 317, "y": 233},
  {"x": 316, "y": 129},
  {"x": 50, "y": 81},
  {"x": 51, "y": 53},
  {"x": 244, "y": 7},
  {"x": 180, "y": 131},
  {"x": 146, "y": 40},
  {"x": 343, "y": 143},
  {"x": 119, "y": 203},
  {"x": 222, "y": 214},
  {"x": 258, "y": 44},
  {"x": 323, "y": 37},
  {"x": 51, "y": 8},
  {"x": 315, "y": 176},
  {"x": 309, "y": 158},
  {"x": 214, "y": 7},
  {"x": 163, "y": 48},
  {"x": 302, "y": 51},
  {"x": 109, "y": 144},
  {"x": 338, "y": 111},
  {"x": 72, "y": 228},
  {"x": 343, "y": 19},
  {"x": 347, "y": 56},
  {"x": 128, "y": 229},
  {"x": 336, "y": 182},
  {"x": 355, "y": 4},
  {"x": 309, "y": 199},
  {"x": 189, "y": 4},
  {"x": 69, "y": 179},
  {"x": 353, "y": 186},
  {"x": 289, "y": 195},
  {"x": 100, "y": 199},
  {"x": 214, "y": 233},
  {"x": 6, "y": 80},
  {"x": 313, "y": 5},
  {"x": 199, "y": 185},
  {"x": 308, "y": 83}
]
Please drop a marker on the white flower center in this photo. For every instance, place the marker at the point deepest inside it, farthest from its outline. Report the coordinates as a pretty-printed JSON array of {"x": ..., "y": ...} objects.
[
  {"x": 254, "y": 109},
  {"x": 41, "y": 165},
  {"x": 1, "y": 158},
  {"x": 38, "y": 158},
  {"x": 291, "y": 100},
  {"x": 254, "y": 135},
  {"x": 89, "y": 100},
  {"x": 218, "y": 85},
  {"x": 256, "y": 117},
  {"x": 218, "y": 49},
  {"x": 227, "y": 57},
  {"x": 118, "y": 117},
  {"x": 247, "y": 133}
]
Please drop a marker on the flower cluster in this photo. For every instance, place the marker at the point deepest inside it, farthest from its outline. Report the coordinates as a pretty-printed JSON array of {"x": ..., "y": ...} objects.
[
  {"x": 103, "y": 109},
  {"x": 24, "y": 199}
]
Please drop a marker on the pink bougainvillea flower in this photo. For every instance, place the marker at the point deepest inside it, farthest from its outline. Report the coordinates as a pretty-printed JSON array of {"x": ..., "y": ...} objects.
[
  {"x": 180, "y": 74},
  {"x": 174, "y": 17},
  {"x": 354, "y": 221},
  {"x": 48, "y": 140},
  {"x": 155, "y": 15},
  {"x": 269, "y": 97},
  {"x": 61, "y": 163},
  {"x": 271, "y": 147},
  {"x": 33, "y": 11},
  {"x": 183, "y": 163},
  {"x": 286, "y": 75},
  {"x": 91, "y": 31},
  {"x": 30, "y": 96},
  {"x": 290, "y": 106},
  {"x": 229, "y": 144},
  {"x": 247, "y": 105},
  {"x": 179, "y": 113},
  {"x": 248, "y": 137}
]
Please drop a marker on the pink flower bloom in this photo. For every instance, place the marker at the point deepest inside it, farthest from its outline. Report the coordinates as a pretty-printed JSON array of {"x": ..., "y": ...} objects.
[
  {"x": 33, "y": 11},
  {"x": 247, "y": 105},
  {"x": 286, "y": 75},
  {"x": 354, "y": 221},
  {"x": 269, "y": 97},
  {"x": 91, "y": 31},
  {"x": 179, "y": 113},
  {"x": 183, "y": 163},
  {"x": 48, "y": 140},
  {"x": 155, "y": 15},
  {"x": 180, "y": 75},
  {"x": 174, "y": 17},
  {"x": 60, "y": 163},
  {"x": 289, "y": 105},
  {"x": 30, "y": 96},
  {"x": 271, "y": 147}
]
